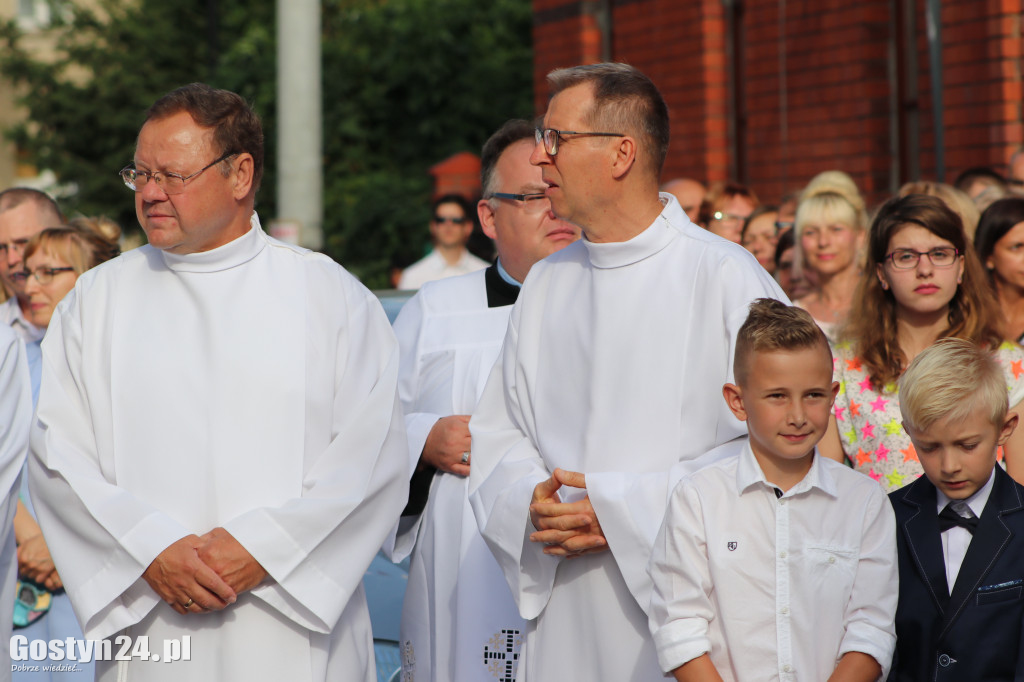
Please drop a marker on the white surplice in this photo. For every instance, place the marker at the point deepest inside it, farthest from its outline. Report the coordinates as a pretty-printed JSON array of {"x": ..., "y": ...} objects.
[
  {"x": 613, "y": 366},
  {"x": 15, "y": 423},
  {"x": 459, "y": 621},
  {"x": 252, "y": 387}
]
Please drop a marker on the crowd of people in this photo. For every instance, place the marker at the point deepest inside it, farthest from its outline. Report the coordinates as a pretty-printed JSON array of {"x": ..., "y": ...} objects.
[{"x": 616, "y": 452}]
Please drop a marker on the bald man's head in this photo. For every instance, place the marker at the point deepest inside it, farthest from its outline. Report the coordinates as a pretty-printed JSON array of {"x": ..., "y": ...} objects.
[{"x": 690, "y": 194}]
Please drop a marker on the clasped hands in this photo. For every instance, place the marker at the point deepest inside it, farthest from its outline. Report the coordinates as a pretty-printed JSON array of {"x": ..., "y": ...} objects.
[
  {"x": 569, "y": 529},
  {"x": 198, "y": 574}
]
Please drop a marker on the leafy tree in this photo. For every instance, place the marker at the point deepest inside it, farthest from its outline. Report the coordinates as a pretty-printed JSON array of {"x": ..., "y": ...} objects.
[
  {"x": 406, "y": 83},
  {"x": 112, "y": 61}
]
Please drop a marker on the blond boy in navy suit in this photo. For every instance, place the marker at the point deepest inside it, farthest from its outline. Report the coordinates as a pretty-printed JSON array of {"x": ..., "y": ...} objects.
[{"x": 960, "y": 527}]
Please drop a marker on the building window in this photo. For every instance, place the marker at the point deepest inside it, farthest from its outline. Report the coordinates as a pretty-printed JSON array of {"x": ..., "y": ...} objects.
[{"x": 33, "y": 14}]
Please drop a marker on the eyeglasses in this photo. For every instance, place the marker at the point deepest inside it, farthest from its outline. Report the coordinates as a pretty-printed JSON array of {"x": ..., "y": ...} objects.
[
  {"x": 550, "y": 137},
  {"x": 781, "y": 225},
  {"x": 907, "y": 259},
  {"x": 719, "y": 215},
  {"x": 533, "y": 203},
  {"x": 445, "y": 219},
  {"x": 170, "y": 183},
  {"x": 17, "y": 246},
  {"x": 41, "y": 275}
]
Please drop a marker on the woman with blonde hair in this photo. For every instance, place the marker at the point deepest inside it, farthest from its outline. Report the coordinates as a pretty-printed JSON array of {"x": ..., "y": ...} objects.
[
  {"x": 53, "y": 261},
  {"x": 923, "y": 282},
  {"x": 830, "y": 229}
]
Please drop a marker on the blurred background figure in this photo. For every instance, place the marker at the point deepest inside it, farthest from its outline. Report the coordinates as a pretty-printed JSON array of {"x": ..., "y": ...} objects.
[
  {"x": 982, "y": 184},
  {"x": 999, "y": 242},
  {"x": 786, "y": 219},
  {"x": 451, "y": 224},
  {"x": 689, "y": 193},
  {"x": 955, "y": 199},
  {"x": 831, "y": 223},
  {"x": 1015, "y": 176},
  {"x": 759, "y": 236},
  {"x": 24, "y": 212},
  {"x": 53, "y": 261},
  {"x": 725, "y": 208},
  {"x": 790, "y": 275}
]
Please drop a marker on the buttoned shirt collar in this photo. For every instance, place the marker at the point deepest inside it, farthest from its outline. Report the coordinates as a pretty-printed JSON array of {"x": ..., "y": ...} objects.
[{"x": 749, "y": 474}]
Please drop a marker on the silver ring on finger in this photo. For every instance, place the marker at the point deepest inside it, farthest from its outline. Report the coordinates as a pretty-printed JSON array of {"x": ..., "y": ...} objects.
[
  {"x": 465, "y": 458},
  {"x": 187, "y": 604}
]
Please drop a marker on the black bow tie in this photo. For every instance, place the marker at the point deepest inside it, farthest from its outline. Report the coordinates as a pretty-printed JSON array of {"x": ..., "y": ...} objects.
[{"x": 949, "y": 517}]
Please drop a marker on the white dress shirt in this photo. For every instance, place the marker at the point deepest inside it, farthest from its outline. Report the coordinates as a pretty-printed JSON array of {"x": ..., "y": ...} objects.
[
  {"x": 775, "y": 588},
  {"x": 433, "y": 267},
  {"x": 957, "y": 539}
]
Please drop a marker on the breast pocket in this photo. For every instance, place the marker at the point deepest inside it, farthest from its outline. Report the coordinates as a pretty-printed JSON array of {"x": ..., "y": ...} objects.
[
  {"x": 1003, "y": 592},
  {"x": 830, "y": 572}
]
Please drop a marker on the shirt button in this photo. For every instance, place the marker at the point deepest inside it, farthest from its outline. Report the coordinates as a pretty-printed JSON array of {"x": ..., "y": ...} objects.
[
  {"x": 782, "y": 501},
  {"x": 945, "y": 660},
  {"x": 787, "y": 668},
  {"x": 782, "y": 555},
  {"x": 831, "y": 559},
  {"x": 784, "y": 610}
]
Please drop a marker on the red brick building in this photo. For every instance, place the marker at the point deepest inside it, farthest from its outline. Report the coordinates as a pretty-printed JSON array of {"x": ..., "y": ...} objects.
[{"x": 770, "y": 92}]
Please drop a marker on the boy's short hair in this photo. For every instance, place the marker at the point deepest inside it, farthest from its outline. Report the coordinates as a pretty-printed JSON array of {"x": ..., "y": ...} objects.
[
  {"x": 773, "y": 326},
  {"x": 950, "y": 379}
]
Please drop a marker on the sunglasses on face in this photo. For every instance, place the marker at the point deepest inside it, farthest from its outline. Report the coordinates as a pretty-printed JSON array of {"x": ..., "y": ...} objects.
[{"x": 439, "y": 219}]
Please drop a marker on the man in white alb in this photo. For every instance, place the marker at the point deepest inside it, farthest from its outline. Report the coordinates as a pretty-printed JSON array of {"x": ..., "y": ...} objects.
[
  {"x": 459, "y": 621},
  {"x": 616, "y": 351},
  {"x": 15, "y": 422},
  {"x": 450, "y": 228},
  {"x": 219, "y": 450},
  {"x": 24, "y": 213}
]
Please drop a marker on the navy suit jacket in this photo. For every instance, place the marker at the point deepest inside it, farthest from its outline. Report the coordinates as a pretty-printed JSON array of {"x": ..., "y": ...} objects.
[{"x": 975, "y": 632}]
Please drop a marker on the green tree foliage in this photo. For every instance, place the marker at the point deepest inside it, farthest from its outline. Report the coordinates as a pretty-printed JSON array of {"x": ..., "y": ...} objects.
[
  {"x": 112, "y": 61},
  {"x": 406, "y": 83}
]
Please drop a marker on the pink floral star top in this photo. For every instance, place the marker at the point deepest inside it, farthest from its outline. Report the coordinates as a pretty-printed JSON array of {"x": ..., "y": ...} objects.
[{"x": 870, "y": 424}]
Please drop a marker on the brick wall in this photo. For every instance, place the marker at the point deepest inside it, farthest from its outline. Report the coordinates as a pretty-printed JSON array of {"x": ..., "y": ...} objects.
[{"x": 818, "y": 84}]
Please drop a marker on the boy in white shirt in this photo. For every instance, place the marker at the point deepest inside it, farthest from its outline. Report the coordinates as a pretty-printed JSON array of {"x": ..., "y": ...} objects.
[
  {"x": 960, "y": 526},
  {"x": 774, "y": 563}
]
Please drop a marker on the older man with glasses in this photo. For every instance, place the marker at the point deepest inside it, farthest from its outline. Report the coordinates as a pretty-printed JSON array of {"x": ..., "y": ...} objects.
[
  {"x": 218, "y": 451},
  {"x": 24, "y": 213},
  {"x": 604, "y": 391},
  {"x": 450, "y": 228},
  {"x": 459, "y": 621}
]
